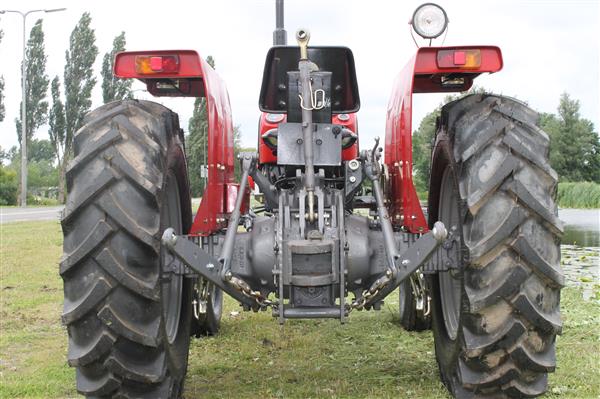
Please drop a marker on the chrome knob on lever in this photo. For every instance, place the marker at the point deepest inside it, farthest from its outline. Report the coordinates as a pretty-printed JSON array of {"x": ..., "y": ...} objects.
[{"x": 302, "y": 37}]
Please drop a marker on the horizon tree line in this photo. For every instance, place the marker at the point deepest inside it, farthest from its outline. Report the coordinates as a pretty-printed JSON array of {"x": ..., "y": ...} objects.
[
  {"x": 66, "y": 112},
  {"x": 70, "y": 101},
  {"x": 574, "y": 142}
]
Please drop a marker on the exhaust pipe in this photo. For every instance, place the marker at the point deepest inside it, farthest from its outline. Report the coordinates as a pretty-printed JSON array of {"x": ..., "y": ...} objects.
[{"x": 279, "y": 34}]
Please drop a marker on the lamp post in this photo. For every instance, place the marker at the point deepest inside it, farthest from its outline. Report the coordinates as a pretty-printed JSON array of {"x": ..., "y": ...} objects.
[{"x": 24, "y": 15}]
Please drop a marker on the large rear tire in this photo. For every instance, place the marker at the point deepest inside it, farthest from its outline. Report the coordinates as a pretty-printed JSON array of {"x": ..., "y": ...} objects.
[
  {"x": 496, "y": 313},
  {"x": 127, "y": 317},
  {"x": 208, "y": 308}
]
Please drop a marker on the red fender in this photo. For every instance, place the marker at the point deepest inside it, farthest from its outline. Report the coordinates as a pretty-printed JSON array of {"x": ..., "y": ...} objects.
[
  {"x": 194, "y": 78},
  {"x": 424, "y": 73},
  {"x": 221, "y": 188}
]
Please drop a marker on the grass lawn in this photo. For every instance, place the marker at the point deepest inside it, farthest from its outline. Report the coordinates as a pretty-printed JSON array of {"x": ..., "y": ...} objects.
[{"x": 370, "y": 357}]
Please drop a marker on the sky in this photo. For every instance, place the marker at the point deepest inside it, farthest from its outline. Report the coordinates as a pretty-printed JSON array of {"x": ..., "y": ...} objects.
[{"x": 549, "y": 47}]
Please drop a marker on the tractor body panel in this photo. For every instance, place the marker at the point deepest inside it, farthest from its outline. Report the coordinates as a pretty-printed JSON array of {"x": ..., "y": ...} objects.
[
  {"x": 268, "y": 154},
  {"x": 279, "y": 94},
  {"x": 220, "y": 157}
]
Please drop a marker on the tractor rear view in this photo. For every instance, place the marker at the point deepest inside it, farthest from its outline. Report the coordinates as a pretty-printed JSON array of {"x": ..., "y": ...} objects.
[{"x": 337, "y": 228}]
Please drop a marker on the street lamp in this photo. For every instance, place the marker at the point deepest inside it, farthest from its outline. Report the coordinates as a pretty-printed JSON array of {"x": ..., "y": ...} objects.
[{"x": 23, "y": 103}]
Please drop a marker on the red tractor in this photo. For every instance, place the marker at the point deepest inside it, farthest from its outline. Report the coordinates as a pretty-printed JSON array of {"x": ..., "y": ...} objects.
[{"x": 337, "y": 228}]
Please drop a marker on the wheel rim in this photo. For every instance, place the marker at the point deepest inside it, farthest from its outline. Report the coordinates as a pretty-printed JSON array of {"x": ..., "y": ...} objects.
[
  {"x": 172, "y": 287},
  {"x": 450, "y": 287}
]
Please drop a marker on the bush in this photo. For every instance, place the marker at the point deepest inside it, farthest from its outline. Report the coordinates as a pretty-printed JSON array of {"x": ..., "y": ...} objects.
[
  {"x": 8, "y": 186},
  {"x": 36, "y": 200},
  {"x": 578, "y": 195}
]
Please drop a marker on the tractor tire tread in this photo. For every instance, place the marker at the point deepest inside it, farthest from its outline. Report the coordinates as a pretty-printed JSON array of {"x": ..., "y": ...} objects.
[
  {"x": 512, "y": 234},
  {"x": 111, "y": 296},
  {"x": 81, "y": 356}
]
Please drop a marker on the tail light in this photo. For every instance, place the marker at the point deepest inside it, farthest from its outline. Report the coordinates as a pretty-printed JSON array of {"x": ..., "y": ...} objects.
[
  {"x": 159, "y": 64},
  {"x": 464, "y": 59},
  {"x": 150, "y": 65}
]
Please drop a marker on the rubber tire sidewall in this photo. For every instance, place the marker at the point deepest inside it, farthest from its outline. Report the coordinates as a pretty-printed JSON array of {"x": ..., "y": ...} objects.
[
  {"x": 178, "y": 351},
  {"x": 447, "y": 350}
]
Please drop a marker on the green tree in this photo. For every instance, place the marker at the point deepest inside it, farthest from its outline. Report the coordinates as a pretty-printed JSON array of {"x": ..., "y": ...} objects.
[
  {"x": 2, "y": 110},
  {"x": 40, "y": 150},
  {"x": 8, "y": 186},
  {"x": 197, "y": 143},
  {"x": 42, "y": 174},
  {"x": 424, "y": 139},
  {"x": 36, "y": 83},
  {"x": 41, "y": 170},
  {"x": 114, "y": 88},
  {"x": 79, "y": 78},
  {"x": 57, "y": 133},
  {"x": 13, "y": 155},
  {"x": 574, "y": 144},
  {"x": 4, "y": 156}
]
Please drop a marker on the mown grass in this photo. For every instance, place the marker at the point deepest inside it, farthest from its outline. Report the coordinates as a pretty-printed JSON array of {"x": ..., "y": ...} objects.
[
  {"x": 253, "y": 357},
  {"x": 578, "y": 195}
]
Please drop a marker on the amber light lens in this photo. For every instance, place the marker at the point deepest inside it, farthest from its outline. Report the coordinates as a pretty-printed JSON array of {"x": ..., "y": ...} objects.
[
  {"x": 465, "y": 59},
  {"x": 156, "y": 64}
]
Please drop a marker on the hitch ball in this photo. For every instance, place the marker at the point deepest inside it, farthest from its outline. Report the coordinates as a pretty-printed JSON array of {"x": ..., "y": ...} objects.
[
  {"x": 169, "y": 238},
  {"x": 303, "y": 35},
  {"x": 439, "y": 231}
]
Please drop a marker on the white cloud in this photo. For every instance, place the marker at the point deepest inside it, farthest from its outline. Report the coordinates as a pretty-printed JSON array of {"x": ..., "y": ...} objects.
[{"x": 548, "y": 47}]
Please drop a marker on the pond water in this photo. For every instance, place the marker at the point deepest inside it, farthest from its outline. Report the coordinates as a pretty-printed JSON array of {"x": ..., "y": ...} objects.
[
  {"x": 582, "y": 227},
  {"x": 580, "y": 249}
]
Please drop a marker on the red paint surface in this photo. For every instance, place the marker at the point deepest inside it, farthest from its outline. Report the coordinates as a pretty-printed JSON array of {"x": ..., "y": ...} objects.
[
  {"x": 267, "y": 155},
  {"x": 221, "y": 189}
]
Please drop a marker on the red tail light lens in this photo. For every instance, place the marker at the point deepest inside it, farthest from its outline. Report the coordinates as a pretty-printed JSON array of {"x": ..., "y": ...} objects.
[
  {"x": 152, "y": 65},
  {"x": 464, "y": 59}
]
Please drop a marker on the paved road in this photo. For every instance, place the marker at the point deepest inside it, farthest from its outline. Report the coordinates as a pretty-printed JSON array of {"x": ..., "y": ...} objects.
[{"x": 8, "y": 215}]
